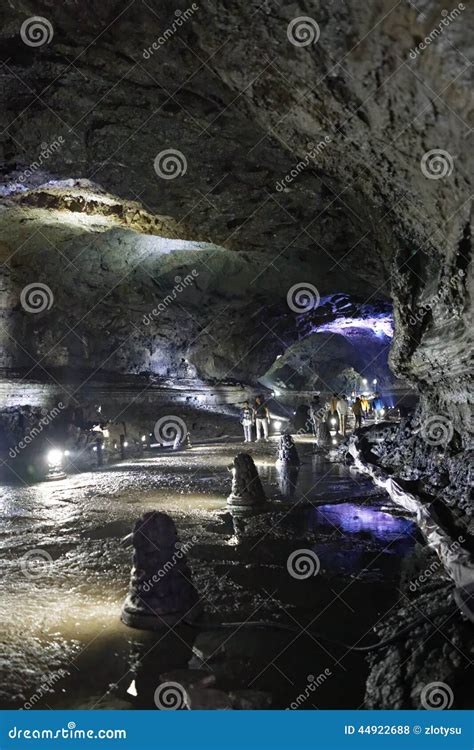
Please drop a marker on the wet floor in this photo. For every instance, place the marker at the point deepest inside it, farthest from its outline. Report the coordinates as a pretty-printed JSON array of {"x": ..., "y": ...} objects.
[{"x": 62, "y": 642}]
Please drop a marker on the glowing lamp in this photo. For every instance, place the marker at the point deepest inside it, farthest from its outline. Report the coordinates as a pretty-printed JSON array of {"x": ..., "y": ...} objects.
[{"x": 54, "y": 457}]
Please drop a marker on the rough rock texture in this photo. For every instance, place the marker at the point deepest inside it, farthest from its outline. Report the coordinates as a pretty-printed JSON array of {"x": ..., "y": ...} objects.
[
  {"x": 244, "y": 105},
  {"x": 429, "y": 667},
  {"x": 297, "y": 164},
  {"x": 247, "y": 490},
  {"x": 161, "y": 590}
]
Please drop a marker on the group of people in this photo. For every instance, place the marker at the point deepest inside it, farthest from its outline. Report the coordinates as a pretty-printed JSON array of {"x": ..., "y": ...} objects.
[
  {"x": 257, "y": 415},
  {"x": 339, "y": 409}
]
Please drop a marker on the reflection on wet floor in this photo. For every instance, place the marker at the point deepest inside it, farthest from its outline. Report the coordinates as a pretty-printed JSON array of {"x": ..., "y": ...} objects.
[{"x": 66, "y": 619}]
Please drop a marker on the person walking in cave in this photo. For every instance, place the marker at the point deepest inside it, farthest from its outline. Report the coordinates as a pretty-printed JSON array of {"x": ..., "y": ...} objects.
[
  {"x": 342, "y": 411},
  {"x": 262, "y": 419},
  {"x": 246, "y": 420},
  {"x": 315, "y": 413},
  {"x": 357, "y": 410},
  {"x": 333, "y": 415},
  {"x": 364, "y": 402},
  {"x": 378, "y": 407}
]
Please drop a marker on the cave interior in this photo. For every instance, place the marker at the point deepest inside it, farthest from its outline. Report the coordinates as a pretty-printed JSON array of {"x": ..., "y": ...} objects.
[{"x": 201, "y": 206}]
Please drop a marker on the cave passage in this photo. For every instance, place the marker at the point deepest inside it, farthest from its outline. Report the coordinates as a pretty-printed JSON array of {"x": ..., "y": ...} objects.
[{"x": 236, "y": 356}]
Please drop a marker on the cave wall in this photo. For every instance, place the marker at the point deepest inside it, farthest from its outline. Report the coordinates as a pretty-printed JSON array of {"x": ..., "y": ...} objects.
[{"x": 232, "y": 89}]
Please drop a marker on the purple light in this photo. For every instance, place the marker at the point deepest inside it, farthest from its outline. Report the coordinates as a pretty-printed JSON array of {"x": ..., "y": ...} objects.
[
  {"x": 381, "y": 326},
  {"x": 355, "y": 518}
]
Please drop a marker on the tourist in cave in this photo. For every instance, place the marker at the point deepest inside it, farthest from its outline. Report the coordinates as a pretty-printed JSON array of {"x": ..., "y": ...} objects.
[
  {"x": 333, "y": 415},
  {"x": 358, "y": 411},
  {"x": 262, "y": 419},
  {"x": 378, "y": 407},
  {"x": 364, "y": 401},
  {"x": 246, "y": 420},
  {"x": 315, "y": 413},
  {"x": 342, "y": 411}
]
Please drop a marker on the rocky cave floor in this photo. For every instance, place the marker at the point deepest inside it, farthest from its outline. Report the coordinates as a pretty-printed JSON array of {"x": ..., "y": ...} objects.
[{"x": 65, "y": 646}]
